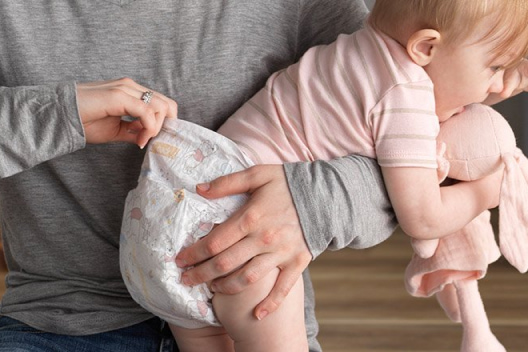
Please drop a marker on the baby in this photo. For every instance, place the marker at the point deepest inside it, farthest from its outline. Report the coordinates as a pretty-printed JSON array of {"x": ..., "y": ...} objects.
[{"x": 380, "y": 92}]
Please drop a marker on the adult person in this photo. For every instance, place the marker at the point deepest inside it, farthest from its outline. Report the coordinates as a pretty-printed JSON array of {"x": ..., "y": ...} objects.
[
  {"x": 61, "y": 199},
  {"x": 64, "y": 178}
]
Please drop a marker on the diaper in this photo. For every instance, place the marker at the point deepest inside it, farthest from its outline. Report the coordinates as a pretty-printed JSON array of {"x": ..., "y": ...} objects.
[{"x": 163, "y": 214}]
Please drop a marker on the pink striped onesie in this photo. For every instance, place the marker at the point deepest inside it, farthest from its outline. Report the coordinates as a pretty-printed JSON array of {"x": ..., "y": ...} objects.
[{"x": 361, "y": 94}]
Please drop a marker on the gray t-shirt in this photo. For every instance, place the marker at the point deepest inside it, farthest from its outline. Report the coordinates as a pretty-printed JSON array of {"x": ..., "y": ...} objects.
[{"x": 61, "y": 201}]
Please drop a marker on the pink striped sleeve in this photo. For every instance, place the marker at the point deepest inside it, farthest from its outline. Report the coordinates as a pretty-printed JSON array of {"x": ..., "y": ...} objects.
[{"x": 405, "y": 126}]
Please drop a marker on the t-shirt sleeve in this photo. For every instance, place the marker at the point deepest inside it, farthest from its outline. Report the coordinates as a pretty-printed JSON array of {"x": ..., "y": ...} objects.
[
  {"x": 404, "y": 126},
  {"x": 38, "y": 123},
  {"x": 341, "y": 203}
]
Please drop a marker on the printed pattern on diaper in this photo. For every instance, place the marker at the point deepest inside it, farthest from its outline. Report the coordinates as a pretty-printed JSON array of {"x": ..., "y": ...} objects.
[
  {"x": 165, "y": 149},
  {"x": 163, "y": 214}
]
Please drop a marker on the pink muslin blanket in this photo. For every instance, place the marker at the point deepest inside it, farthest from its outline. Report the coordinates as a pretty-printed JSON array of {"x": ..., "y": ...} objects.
[{"x": 472, "y": 145}]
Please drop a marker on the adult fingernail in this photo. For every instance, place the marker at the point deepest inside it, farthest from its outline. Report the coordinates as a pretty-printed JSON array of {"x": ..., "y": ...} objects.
[
  {"x": 181, "y": 263},
  {"x": 186, "y": 281},
  {"x": 204, "y": 187},
  {"x": 262, "y": 315}
]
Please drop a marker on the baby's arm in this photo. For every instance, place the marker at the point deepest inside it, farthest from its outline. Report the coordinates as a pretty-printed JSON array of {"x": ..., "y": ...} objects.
[{"x": 426, "y": 211}]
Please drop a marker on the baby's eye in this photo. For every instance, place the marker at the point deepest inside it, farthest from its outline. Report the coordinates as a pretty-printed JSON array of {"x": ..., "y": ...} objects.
[{"x": 496, "y": 68}]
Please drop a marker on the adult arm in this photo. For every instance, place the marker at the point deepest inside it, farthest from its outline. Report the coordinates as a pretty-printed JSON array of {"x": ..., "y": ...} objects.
[
  {"x": 40, "y": 123},
  {"x": 341, "y": 203}
]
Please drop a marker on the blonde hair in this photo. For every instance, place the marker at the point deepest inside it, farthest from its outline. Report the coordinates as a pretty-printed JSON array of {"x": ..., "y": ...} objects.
[{"x": 456, "y": 20}]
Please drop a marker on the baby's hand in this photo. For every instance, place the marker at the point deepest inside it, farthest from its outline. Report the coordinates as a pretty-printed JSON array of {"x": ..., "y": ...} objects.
[
  {"x": 515, "y": 82},
  {"x": 492, "y": 187}
]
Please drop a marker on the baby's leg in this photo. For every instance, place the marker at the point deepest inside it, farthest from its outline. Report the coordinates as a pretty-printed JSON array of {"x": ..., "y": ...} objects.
[
  {"x": 281, "y": 331},
  {"x": 210, "y": 339}
]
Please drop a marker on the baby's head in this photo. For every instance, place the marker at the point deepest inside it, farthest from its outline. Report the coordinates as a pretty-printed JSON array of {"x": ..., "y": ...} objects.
[
  {"x": 463, "y": 45},
  {"x": 456, "y": 20}
]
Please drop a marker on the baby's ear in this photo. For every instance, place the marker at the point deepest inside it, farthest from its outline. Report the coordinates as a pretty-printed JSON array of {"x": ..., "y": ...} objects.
[{"x": 422, "y": 46}]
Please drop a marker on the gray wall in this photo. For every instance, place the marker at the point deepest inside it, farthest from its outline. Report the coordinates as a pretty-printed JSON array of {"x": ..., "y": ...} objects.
[{"x": 516, "y": 112}]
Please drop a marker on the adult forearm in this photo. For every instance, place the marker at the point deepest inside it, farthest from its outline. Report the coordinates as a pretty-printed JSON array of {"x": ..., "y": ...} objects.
[
  {"x": 38, "y": 123},
  {"x": 341, "y": 203}
]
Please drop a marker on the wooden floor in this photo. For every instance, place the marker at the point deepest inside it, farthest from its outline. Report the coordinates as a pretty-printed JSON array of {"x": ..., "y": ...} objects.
[{"x": 362, "y": 305}]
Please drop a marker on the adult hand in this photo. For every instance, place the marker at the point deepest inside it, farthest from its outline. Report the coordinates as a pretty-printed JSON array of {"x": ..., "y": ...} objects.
[
  {"x": 102, "y": 105},
  {"x": 263, "y": 234},
  {"x": 515, "y": 82}
]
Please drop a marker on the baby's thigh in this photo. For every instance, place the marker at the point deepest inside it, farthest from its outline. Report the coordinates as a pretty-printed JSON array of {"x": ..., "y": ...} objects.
[
  {"x": 282, "y": 330},
  {"x": 210, "y": 339}
]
